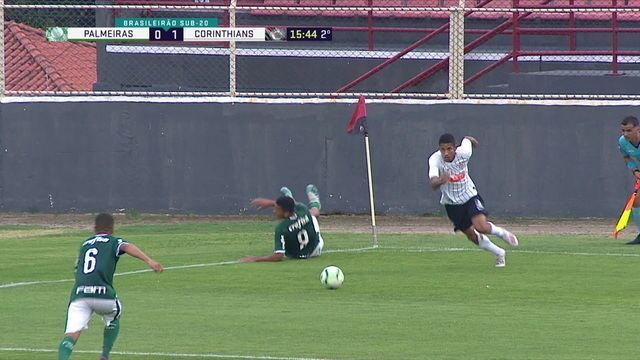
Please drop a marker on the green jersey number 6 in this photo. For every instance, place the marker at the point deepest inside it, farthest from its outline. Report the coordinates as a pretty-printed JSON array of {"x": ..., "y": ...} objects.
[{"x": 90, "y": 260}]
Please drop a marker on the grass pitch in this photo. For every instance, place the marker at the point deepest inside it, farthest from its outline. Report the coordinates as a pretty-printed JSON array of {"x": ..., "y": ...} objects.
[{"x": 419, "y": 296}]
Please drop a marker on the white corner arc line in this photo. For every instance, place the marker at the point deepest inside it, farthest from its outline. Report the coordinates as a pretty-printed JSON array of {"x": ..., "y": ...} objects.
[{"x": 176, "y": 355}]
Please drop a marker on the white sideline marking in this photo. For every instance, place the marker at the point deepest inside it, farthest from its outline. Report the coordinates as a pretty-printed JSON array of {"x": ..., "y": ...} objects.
[
  {"x": 177, "y": 355},
  {"x": 27, "y": 283},
  {"x": 542, "y": 252},
  {"x": 10, "y": 285},
  {"x": 422, "y": 249},
  {"x": 573, "y": 253},
  {"x": 180, "y": 267},
  {"x": 351, "y": 250},
  {"x": 364, "y": 249}
]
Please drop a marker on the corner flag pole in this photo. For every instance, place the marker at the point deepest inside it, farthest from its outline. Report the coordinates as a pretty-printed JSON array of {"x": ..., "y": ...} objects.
[
  {"x": 372, "y": 205},
  {"x": 358, "y": 125}
]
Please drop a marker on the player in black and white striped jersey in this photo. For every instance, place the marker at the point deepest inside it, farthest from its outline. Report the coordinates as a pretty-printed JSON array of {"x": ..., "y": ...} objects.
[{"x": 449, "y": 172}]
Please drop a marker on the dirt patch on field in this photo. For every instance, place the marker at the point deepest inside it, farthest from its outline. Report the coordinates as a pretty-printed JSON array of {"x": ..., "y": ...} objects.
[
  {"x": 17, "y": 234},
  {"x": 329, "y": 223},
  {"x": 85, "y": 221}
]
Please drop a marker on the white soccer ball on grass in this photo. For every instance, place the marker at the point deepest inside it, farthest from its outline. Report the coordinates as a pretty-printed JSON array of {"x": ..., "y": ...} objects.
[{"x": 332, "y": 277}]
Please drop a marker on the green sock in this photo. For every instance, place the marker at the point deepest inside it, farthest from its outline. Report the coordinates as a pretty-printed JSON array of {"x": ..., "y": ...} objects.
[
  {"x": 110, "y": 336},
  {"x": 66, "y": 347}
]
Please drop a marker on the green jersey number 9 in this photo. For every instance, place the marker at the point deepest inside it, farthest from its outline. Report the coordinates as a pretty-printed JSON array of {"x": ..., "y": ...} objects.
[
  {"x": 303, "y": 238},
  {"x": 90, "y": 260}
]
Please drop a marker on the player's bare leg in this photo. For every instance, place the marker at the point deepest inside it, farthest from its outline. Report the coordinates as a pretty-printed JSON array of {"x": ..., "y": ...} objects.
[
  {"x": 484, "y": 243},
  {"x": 472, "y": 235},
  {"x": 314, "y": 200},
  {"x": 486, "y": 227}
]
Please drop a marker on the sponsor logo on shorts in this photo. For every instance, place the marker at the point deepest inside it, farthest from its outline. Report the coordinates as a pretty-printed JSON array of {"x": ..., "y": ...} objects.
[{"x": 479, "y": 205}]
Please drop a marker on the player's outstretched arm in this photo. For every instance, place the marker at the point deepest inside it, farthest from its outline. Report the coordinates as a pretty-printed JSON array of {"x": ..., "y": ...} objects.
[
  {"x": 262, "y": 203},
  {"x": 137, "y": 253},
  {"x": 275, "y": 257}
]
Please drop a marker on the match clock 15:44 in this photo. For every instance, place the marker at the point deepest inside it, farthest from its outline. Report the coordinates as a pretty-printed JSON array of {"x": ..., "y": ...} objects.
[{"x": 309, "y": 34}]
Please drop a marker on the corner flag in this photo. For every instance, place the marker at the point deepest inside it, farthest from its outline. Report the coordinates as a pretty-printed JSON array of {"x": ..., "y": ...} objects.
[
  {"x": 358, "y": 125},
  {"x": 626, "y": 212}
]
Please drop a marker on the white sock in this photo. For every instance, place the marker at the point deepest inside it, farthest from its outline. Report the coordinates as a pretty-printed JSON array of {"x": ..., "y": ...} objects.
[
  {"x": 497, "y": 230},
  {"x": 485, "y": 244}
]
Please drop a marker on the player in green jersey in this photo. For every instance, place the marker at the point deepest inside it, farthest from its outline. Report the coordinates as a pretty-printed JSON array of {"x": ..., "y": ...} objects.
[
  {"x": 93, "y": 290},
  {"x": 297, "y": 236}
]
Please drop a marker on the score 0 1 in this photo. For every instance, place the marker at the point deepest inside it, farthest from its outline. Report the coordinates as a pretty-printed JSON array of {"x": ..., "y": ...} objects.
[{"x": 171, "y": 34}]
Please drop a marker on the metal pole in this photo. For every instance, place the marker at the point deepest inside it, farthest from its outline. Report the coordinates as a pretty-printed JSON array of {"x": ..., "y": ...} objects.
[
  {"x": 572, "y": 24},
  {"x": 515, "y": 38},
  {"x": 456, "y": 52},
  {"x": 232, "y": 51},
  {"x": 370, "y": 25},
  {"x": 372, "y": 205},
  {"x": 405, "y": 51},
  {"x": 614, "y": 40},
  {"x": 442, "y": 64}
]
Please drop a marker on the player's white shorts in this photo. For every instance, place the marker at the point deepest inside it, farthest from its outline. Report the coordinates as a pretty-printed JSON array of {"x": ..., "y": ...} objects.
[
  {"x": 318, "y": 250},
  {"x": 80, "y": 312}
]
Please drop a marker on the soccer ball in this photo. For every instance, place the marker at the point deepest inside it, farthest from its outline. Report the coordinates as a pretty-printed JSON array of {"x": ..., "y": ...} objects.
[{"x": 332, "y": 277}]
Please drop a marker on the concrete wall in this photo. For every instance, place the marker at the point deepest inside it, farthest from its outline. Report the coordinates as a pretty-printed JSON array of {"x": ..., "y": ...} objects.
[{"x": 212, "y": 158}]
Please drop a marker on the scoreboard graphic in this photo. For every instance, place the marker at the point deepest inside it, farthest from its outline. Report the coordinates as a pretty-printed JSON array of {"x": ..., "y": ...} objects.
[{"x": 185, "y": 30}]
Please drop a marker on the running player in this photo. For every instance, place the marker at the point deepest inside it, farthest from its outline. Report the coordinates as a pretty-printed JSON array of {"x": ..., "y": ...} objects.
[
  {"x": 448, "y": 171},
  {"x": 629, "y": 144},
  {"x": 297, "y": 236},
  {"x": 93, "y": 291}
]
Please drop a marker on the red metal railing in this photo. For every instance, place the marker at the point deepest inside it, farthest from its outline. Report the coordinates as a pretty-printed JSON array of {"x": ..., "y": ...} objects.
[
  {"x": 407, "y": 50},
  {"x": 512, "y": 26},
  {"x": 571, "y": 31}
]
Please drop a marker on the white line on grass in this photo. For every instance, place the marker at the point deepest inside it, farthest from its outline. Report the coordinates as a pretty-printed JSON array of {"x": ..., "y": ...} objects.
[
  {"x": 422, "y": 249},
  {"x": 574, "y": 253},
  {"x": 27, "y": 283},
  {"x": 174, "y": 355},
  {"x": 542, "y": 252},
  {"x": 395, "y": 248},
  {"x": 351, "y": 250}
]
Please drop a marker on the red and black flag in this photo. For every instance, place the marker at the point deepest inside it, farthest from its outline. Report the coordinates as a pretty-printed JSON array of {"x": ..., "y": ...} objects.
[{"x": 358, "y": 123}]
